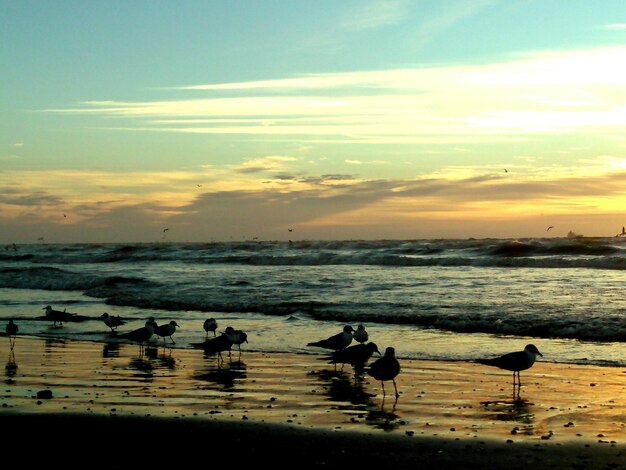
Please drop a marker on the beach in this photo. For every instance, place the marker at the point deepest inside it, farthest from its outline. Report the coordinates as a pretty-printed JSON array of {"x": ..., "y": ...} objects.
[{"x": 271, "y": 408}]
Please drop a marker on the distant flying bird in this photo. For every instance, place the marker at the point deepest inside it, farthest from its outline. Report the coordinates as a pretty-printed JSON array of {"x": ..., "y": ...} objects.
[
  {"x": 210, "y": 324},
  {"x": 506, "y": 171},
  {"x": 551, "y": 226},
  {"x": 360, "y": 334},
  {"x": 112, "y": 321},
  {"x": 64, "y": 215},
  {"x": 199, "y": 185},
  {"x": 165, "y": 229},
  {"x": 386, "y": 368},
  {"x": 291, "y": 230},
  {"x": 167, "y": 330},
  {"x": 336, "y": 342},
  {"x": 515, "y": 361}
]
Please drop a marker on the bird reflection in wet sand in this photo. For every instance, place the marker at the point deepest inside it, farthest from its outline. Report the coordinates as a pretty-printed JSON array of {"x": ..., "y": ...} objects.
[
  {"x": 516, "y": 411},
  {"x": 340, "y": 387},
  {"x": 111, "y": 350},
  {"x": 225, "y": 377}
]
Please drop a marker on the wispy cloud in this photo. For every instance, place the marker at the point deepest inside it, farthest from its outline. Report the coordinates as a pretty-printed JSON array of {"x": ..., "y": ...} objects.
[
  {"x": 376, "y": 14},
  {"x": 552, "y": 92}
]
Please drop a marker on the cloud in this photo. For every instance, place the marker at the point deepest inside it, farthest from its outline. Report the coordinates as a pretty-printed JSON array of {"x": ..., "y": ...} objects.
[
  {"x": 528, "y": 97},
  {"x": 376, "y": 14}
]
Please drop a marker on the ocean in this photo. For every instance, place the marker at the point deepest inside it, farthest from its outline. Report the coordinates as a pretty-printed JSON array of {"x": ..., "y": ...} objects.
[{"x": 446, "y": 299}]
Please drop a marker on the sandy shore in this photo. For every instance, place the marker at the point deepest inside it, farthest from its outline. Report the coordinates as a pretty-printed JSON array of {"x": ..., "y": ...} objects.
[{"x": 276, "y": 407}]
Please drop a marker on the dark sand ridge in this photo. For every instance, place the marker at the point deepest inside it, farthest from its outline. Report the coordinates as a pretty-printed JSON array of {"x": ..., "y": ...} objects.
[{"x": 270, "y": 407}]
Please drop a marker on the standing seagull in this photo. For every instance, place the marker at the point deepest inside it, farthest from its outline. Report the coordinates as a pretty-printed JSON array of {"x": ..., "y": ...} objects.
[
  {"x": 386, "y": 368},
  {"x": 112, "y": 321},
  {"x": 11, "y": 330},
  {"x": 515, "y": 361},
  {"x": 356, "y": 355},
  {"x": 167, "y": 330},
  {"x": 141, "y": 335},
  {"x": 237, "y": 337},
  {"x": 218, "y": 344},
  {"x": 360, "y": 334},
  {"x": 336, "y": 342},
  {"x": 210, "y": 324},
  {"x": 57, "y": 315}
]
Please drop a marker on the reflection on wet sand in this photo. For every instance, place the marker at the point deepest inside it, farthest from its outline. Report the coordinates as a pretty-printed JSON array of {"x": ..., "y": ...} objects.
[
  {"x": 224, "y": 376},
  {"x": 348, "y": 390},
  {"x": 516, "y": 411}
]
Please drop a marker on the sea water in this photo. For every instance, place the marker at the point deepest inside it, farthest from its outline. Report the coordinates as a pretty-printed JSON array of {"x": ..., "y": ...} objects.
[{"x": 447, "y": 299}]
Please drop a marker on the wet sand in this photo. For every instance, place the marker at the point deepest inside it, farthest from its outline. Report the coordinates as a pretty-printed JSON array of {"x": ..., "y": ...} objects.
[{"x": 258, "y": 408}]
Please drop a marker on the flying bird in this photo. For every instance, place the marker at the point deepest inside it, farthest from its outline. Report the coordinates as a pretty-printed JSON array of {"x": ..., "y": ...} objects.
[
  {"x": 386, "y": 368},
  {"x": 336, "y": 342},
  {"x": 515, "y": 361},
  {"x": 551, "y": 226},
  {"x": 165, "y": 229}
]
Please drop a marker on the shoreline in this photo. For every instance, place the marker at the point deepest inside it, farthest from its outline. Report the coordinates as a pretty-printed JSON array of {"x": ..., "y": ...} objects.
[{"x": 448, "y": 411}]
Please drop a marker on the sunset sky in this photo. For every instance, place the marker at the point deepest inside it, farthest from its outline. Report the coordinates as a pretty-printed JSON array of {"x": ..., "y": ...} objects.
[{"x": 292, "y": 119}]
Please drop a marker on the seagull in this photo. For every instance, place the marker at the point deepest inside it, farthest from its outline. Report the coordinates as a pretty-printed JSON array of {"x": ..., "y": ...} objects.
[
  {"x": 236, "y": 337},
  {"x": 141, "y": 335},
  {"x": 551, "y": 226},
  {"x": 112, "y": 321},
  {"x": 57, "y": 315},
  {"x": 515, "y": 361},
  {"x": 165, "y": 229},
  {"x": 167, "y": 330},
  {"x": 11, "y": 330},
  {"x": 336, "y": 342},
  {"x": 386, "y": 368},
  {"x": 356, "y": 355},
  {"x": 218, "y": 344},
  {"x": 360, "y": 334},
  {"x": 210, "y": 324}
]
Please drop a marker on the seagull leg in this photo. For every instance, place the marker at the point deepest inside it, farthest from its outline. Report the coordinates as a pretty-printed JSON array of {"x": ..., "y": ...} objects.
[{"x": 395, "y": 388}]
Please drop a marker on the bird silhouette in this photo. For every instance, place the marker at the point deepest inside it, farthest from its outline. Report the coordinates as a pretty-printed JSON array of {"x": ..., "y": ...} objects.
[
  {"x": 360, "y": 334},
  {"x": 167, "y": 330},
  {"x": 386, "y": 368},
  {"x": 112, "y": 321},
  {"x": 218, "y": 344},
  {"x": 336, "y": 342},
  {"x": 141, "y": 335},
  {"x": 515, "y": 361},
  {"x": 58, "y": 316},
  {"x": 357, "y": 355},
  {"x": 11, "y": 330},
  {"x": 551, "y": 226},
  {"x": 210, "y": 324},
  {"x": 237, "y": 337}
]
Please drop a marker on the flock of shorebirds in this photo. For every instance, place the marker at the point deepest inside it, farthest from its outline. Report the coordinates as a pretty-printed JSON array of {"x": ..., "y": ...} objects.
[{"x": 385, "y": 368}]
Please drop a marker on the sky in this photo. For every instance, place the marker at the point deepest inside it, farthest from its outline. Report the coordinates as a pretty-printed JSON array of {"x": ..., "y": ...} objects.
[{"x": 220, "y": 120}]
